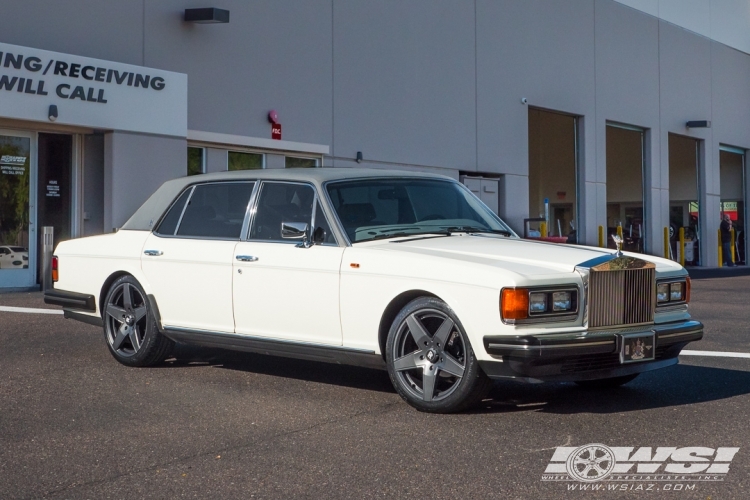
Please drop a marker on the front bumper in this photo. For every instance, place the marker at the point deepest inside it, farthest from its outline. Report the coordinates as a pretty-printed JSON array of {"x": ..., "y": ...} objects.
[{"x": 583, "y": 355}]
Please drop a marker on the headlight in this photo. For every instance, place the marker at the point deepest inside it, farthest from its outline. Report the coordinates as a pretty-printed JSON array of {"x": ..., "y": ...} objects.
[
  {"x": 520, "y": 304},
  {"x": 673, "y": 292}
]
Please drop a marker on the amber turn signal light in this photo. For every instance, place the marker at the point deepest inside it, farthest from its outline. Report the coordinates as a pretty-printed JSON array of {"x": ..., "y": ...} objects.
[
  {"x": 687, "y": 289},
  {"x": 514, "y": 303},
  {"x": 54, "y": 268}
]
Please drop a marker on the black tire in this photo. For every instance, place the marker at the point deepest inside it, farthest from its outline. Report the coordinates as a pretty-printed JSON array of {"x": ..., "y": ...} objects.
[
  {"x": 437, "y": 353},
  {"x": 130, "y": 330},
  {"x": 607, "y": 383}
]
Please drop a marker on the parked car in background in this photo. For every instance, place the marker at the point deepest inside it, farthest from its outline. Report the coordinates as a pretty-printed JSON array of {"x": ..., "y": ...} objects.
[
  {"x": 403, "y": 271},
  {"x": 12, "y": 257}
]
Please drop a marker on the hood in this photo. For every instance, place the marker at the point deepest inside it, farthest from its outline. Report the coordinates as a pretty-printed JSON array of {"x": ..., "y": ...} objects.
[{"x": 524, "y": 257}]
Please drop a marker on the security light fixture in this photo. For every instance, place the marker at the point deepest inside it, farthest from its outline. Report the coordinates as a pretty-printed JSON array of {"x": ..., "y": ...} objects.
[
  {"x": 698, "y": 124},
  {"x": 52, "y": 113},
  {"x": 359, "y": 156},
  {"x": 206, "y": 15}
]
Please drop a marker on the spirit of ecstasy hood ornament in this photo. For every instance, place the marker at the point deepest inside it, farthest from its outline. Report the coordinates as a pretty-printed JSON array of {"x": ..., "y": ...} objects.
[{"x": 618, "y": 243}]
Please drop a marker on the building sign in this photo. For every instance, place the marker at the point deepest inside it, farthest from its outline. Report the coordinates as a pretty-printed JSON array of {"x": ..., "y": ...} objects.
[
  {"x": 90, "y": 92},
  {"x": 12, "y": 165},
  {"x": 276, "y": 131}
]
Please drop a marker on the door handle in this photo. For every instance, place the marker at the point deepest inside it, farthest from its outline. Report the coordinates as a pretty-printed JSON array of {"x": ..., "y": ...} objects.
[
  {"x": 246, "y": 258},
  {"x": 153, "y": 253}
]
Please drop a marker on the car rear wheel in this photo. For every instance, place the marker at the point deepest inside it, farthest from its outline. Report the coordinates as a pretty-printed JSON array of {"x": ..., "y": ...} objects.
[
  {"x": 130, "y": 329},
  {"x": 430, "y": 360},
  {"x": 604, "y": 383}
]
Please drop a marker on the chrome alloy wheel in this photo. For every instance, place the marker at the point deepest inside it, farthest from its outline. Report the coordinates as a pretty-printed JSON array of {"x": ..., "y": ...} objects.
[
  {"x": 125, "y": 319},
  {"x": 429, "y": 355}
]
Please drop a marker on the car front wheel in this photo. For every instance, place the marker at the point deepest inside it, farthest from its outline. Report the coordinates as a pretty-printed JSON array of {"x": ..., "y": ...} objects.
[
  {"x": 130, "y": 329},
  {"x": 430, "y": 360}
]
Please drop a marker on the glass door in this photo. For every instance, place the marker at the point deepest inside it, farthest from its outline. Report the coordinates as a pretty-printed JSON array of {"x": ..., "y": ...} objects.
[{"x": 17, "y": 197}]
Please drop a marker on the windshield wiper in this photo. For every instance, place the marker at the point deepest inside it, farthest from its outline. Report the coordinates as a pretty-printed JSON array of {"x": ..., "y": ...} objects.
[
  {"x": 404, "y": 233},
  {"x": 474, "y": 229}
]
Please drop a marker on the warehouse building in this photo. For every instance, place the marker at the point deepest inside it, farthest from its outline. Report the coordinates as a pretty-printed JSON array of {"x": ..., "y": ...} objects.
[{"x": 588, "y": 113}]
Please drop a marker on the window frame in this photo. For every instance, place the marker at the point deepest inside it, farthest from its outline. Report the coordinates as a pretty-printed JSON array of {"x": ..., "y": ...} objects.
[
  {"x": 316, "y": 201},
  {"x": 192, "y": 187},
  {"x": 262, "y": 154},
  {"x": 203, "y": 158}
]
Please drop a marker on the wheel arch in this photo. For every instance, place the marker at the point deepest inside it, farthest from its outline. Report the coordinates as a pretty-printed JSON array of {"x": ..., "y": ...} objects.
[
  {"x": 149, "y": 296},
  {"x": 392, "y": 310}
]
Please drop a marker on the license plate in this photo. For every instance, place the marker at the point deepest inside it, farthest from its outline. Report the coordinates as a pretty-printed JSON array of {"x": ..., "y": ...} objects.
[{"x": 637, "y": 347}]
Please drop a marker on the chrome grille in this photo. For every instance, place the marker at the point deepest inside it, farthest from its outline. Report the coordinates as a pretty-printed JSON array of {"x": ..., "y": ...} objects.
[{"x": 621, "y": 297}]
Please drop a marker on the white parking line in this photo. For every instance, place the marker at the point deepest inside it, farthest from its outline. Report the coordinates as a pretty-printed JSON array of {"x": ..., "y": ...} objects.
[
  {"x": 716, "y": 354},
  {"x": 29, "y": 310}
]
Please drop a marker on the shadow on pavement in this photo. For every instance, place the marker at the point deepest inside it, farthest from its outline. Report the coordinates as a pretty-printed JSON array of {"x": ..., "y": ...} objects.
[
  {"x": 311, "y": 371},
  {"x": 674, "y": 386}
]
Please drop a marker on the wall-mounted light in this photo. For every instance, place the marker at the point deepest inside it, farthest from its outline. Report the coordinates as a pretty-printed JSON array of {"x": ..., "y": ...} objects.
[
  {"x": 206, "y": 15},
  {"x": 698, "y": 124},
  {"x": 52, "y": 113},
  {"x": 273, "y": 116},
  {"x": 359, "y": 156}
]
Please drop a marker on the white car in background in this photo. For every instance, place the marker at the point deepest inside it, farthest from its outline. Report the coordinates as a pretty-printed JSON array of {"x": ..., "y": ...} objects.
[
  {"x": 403, "y": 271},
  {"x": 13, "y": 257}
]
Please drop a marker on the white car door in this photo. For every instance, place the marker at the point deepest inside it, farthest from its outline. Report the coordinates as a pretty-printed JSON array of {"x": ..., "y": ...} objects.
[
  {"x": 282, "y": 290},
  {"x": 188, "y": 259}
]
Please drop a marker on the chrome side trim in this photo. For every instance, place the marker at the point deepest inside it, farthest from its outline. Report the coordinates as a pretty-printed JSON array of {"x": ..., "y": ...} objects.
[{"x": 558, "y": 346}]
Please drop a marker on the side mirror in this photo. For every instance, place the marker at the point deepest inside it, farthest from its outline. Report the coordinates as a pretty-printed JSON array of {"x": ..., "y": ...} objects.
[{"x": 296, "y": 231}]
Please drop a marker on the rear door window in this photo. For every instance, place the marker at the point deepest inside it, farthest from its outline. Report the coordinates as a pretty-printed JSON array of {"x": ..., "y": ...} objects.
[
  {"x": 168, "y": 224},
  {"x": 215, "y": 210}
]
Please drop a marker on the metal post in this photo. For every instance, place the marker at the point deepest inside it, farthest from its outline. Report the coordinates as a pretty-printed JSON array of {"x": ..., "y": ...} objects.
[
  {"x": 601, "y": 236},
  {"x": 721, "y": 257},
  {"x": 682, "y": 246},
  {"x": 731, "y": 247},
  {"x": 48, "y": 233},
  {"x": 666, "y": 243}
]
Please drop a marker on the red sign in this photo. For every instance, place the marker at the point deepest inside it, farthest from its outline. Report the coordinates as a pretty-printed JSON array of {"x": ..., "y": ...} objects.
[{"x": 276, "y": 131}]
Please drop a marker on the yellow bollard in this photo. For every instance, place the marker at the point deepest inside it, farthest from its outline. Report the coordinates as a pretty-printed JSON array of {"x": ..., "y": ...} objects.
[
  {"x": 601, "y": 236},
  {"x": 543, "y": 229},
  {"x": 721, "y": 257},
  {"x": 682, "y": 246},
  {"x": 731, "y": 248},
  {"x": 619, "y": 230},
  {"x": 666, "y": 242}
]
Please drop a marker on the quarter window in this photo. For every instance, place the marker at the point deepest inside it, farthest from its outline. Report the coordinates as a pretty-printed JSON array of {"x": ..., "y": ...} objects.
[
  {"x": 169, "y": 222},
  {"x": 216, "y": 210},
  {"x": 281, "y": 202}
]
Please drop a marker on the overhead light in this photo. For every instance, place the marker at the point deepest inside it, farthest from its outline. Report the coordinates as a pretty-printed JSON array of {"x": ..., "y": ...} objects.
[
  {"x": 207, "y": 15},
  {"x": 698, "y": 124}
]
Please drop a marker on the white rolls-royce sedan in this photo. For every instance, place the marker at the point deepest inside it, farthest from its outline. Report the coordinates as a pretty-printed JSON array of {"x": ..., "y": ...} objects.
[{"x": 404, "y": 271}]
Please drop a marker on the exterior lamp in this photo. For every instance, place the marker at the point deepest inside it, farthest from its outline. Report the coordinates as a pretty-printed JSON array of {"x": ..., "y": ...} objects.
[{"x": 698, "y": 124}]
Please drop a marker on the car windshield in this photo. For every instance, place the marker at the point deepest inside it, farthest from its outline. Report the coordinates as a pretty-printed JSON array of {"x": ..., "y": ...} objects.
[{"x": 372, "y": 209}]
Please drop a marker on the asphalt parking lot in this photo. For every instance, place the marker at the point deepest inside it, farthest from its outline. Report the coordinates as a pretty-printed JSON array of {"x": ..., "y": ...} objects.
[{"x": 207, "y": 423}]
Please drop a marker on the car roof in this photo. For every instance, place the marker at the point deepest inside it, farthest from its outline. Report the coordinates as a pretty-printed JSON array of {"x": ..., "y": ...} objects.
[{"x": 151, "y": 211}]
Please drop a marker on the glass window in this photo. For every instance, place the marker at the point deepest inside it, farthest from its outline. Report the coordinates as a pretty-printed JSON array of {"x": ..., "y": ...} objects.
[
  {"x": 295, "y": 162},
  {"x": 281, "y": 202},
  {"x": 195, "y": 161},
  {"x": 244, "y": 161},
  {"x": 169, "y": 222},
  {"x": 322, "y": 223},
  {"x": 216, "y": 210},
  {"x": 387, "y": 208}
]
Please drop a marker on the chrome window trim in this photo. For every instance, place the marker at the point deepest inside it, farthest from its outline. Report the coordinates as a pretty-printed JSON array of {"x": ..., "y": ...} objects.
[
  {"x": 164, "y": 215},
  {"x": 184, "y": 209}
]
